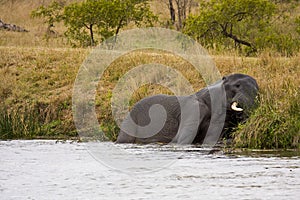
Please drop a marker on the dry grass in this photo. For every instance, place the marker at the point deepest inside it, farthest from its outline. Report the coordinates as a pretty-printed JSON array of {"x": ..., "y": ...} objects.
[
  {"x": 18, "y": 12},
  {"x": 44, "y": 77},
  {"x": 41, "y": 78},
  {"x": 276, "y": 123}
]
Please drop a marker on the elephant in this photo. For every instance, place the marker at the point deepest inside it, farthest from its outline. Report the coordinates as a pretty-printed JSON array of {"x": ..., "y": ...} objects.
[{"x": 204, "y": 117}]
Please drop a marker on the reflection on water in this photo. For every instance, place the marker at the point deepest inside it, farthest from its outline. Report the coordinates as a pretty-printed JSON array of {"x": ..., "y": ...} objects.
[{"x": 66, "y": 170}]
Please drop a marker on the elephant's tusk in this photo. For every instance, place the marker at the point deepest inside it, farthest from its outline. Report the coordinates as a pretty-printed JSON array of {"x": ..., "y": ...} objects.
[{"x": 235, "y": 108}]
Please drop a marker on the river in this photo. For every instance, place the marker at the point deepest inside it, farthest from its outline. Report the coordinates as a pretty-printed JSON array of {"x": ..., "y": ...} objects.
[{"x": 49, "y": 169}]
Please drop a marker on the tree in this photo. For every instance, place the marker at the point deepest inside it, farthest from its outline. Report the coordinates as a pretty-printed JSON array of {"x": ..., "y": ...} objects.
[
  {"x": 172, "y": 11},
  {"x": 239, "y": 21},
  {"x": 183, "y": 10},
  {"x": 297, "y": 22},
  {"x": 104, "y": 18},
  {"x": 80, "y": 18},
  {"x": 183, "y": 7},
  {"x": 52, "y": 13}
]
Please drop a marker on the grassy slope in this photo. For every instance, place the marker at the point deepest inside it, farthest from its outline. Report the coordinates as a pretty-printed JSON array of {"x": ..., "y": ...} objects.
[
  {"x": 45, "y": 77},
  {"x": 40, "y": 73},
  {"x": 42, "y": 78}
]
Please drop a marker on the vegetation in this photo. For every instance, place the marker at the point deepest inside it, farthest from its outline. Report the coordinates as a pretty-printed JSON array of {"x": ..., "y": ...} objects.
[
  {"x": 30, "y": 121},
  {"x": 16, "y": 124},
  {"x": 249, "y": 23},
  {"x": 36, "y": 89},
  {"x": 42, "y": 78},
  {"x": 235, "y": 20},
  {"x": 272, "y": 125},
  {"x": 37, "y": 75},
  {"x": 51, "y": 14},
  {"x": 87, "y": 18},
  {"x": 179, "y": 11}
]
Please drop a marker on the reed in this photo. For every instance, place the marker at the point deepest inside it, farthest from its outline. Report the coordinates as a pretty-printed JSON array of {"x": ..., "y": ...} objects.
[{"x": 20, "y": 123}]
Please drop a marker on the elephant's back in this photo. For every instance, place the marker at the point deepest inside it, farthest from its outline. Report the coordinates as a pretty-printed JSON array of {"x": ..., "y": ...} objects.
[{"x": 170, "y": 103}]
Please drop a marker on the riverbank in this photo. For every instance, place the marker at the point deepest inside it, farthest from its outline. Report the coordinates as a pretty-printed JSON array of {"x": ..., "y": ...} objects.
[{"x": 37, "y": 82}]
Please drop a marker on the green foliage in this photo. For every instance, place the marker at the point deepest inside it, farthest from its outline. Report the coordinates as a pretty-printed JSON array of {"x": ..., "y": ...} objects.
[
  {"x": 272, "y": 125},
  {"x": 79, "y": 18},
  {"x": 234, "y": 20},
  {"x": 32, "y": 121},
  {"x": 91, "y": 21},
  {"x": 248, "y": 25},
  {"x": 52, "y": 13},
  {"x": 111, "y": 130},
  {"x": 105, "y": 18},
  {"x": 19, "y": 123},
  {"x": 297, "y": 22},
  {"x": 284, "y": 43}
]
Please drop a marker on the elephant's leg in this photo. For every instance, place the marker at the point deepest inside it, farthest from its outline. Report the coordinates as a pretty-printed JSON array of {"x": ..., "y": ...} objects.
[
  {"x": 125, "y": 138},
  {"x": 186, "y": 134},
  {"x": 192, "y": 116}
]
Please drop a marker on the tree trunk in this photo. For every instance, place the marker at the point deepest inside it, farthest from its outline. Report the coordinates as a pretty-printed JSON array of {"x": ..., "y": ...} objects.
[
  {"x": 179, "y": 11},
  {"x": 119, "y": 26},
  {"x": 172, "y": 11},
  {"x": 182, "y": 11},
  {"x": 92, "y": 35},
  {"x": 184, "y": 6}
]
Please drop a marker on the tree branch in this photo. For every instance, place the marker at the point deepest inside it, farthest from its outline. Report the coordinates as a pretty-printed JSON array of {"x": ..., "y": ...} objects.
[
  {"x": 235, "y": 38},
  {"x": 240, "y": 15}
]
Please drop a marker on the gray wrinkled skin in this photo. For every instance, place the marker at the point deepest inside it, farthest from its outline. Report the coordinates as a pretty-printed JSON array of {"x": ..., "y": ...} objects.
[{"x": 187, "y": 119}]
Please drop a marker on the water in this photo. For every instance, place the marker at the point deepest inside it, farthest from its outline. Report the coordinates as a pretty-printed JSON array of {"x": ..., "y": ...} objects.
[{"x": 57, "y": 170}]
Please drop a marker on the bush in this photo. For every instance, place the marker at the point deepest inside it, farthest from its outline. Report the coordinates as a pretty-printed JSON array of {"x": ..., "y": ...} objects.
[
  {"x": 246, "y": 25},
  {"x": 91, "y": 21}
]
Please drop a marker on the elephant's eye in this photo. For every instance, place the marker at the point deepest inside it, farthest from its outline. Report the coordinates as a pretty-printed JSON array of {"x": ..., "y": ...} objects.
[{"x": 237, "y": 85}]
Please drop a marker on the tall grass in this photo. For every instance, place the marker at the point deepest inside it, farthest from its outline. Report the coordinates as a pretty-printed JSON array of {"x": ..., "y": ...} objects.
[
  {"x": 33, "y": 121},
  {"x": 38, "y": 80},
  {"x": 272, "y": 125},
  {"x": 276, "y": 122},
  {"x": 20, "y": 123}
]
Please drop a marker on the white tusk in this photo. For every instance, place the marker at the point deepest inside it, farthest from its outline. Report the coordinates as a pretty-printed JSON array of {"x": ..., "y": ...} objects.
[{"x": 235, "y": 108}]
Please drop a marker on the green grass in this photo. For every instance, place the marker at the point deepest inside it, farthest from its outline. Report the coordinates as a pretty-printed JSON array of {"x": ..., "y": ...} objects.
[
  {"x": 29, "y": 122},
  {"x": 40, "y": 79},
  {"x": 272, "y": 125},
  {"x": 15, "y": 124}
]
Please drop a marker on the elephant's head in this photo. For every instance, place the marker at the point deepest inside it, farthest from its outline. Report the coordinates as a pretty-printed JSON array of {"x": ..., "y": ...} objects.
[{"x": 241, "y": 93}]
